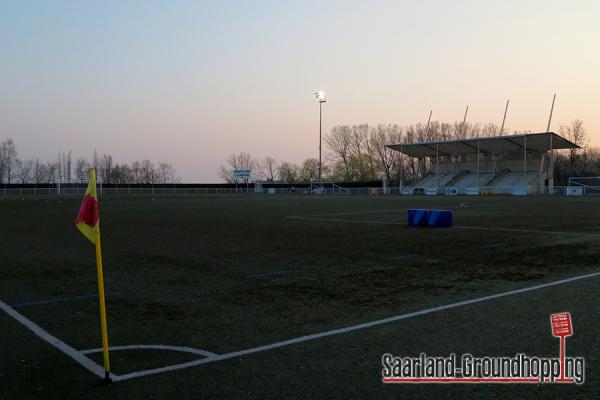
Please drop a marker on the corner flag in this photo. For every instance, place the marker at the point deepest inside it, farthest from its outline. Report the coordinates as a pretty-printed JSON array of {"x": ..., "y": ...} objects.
[
  {"x": 88, "y": 219},
  {"x": 88, "y": 222}
]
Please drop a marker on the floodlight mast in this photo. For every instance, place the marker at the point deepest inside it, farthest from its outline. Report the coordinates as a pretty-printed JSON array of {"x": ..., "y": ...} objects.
[{"x": 320, "y": 96}]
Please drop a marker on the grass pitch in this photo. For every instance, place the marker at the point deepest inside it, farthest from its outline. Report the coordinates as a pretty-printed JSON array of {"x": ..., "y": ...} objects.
[{"x": 228, "y": 273}]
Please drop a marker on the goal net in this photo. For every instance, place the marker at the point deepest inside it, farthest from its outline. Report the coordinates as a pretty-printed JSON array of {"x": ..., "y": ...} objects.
[{"x": 328, "y": 188}]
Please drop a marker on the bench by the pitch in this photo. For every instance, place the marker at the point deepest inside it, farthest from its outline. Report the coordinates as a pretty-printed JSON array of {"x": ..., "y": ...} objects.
[{"x": 431, "y": 218}]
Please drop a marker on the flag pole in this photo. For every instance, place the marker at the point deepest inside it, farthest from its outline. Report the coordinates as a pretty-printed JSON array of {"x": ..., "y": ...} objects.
[
  {"x": 103, "y": 324},
  {"x": 102, "y": 310}
]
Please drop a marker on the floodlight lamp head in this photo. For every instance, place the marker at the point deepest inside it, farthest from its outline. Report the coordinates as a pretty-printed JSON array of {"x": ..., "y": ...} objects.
[{"x": 320, "y": 95}]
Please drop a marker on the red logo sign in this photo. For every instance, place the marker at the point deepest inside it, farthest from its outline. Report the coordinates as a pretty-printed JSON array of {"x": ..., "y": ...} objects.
[{"x": 561, "y": 324}]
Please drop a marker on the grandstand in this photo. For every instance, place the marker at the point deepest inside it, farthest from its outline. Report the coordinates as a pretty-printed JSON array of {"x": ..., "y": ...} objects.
[{"x": 498, "y": 165}]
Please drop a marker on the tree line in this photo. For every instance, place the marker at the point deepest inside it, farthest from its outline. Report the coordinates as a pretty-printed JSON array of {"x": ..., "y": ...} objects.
[
  {"x": 359, "y": 153},
  {"x": 65, "y": 169}
]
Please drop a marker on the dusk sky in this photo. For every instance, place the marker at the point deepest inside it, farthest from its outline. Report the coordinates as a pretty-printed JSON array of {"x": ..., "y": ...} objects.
[{"x": 191, "y": 82}]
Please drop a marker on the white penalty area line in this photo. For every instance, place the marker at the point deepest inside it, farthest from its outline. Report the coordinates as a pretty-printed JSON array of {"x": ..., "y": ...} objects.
[
  {"x": 348, "y": 329},
  {"x": 482, "y": 228}
]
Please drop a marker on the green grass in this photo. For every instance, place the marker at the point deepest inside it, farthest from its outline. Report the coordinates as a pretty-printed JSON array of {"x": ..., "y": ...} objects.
[{"x": 181, "y": 271}]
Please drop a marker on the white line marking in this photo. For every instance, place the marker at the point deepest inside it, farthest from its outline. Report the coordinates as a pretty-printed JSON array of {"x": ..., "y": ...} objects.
[
  {"x": 360, "y": 221},
  {"x": 403, "y": 257},
  {"x": 348, "y": 213},
  {"x": 182, "y": 349},
  {"x": 491, "y": 245},
  {"x": 483, "y": 228},
  {"x": 168, "y": 368},
  {"x": 60, "y": 299},
  {"x": 351, "y": 328},
  {"x": 59, "y": 344},
  {"x": 396, "y": 210},
  {"x": 274, "y": 273}
]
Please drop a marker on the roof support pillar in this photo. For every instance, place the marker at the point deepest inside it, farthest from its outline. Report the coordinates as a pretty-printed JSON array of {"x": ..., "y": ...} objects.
[
  {"x": 525, "y": 157},
  {"x": 551, "y": 172},
  {"x": 437, "y": 166},
  {"x": 401, "y": 167},
  {"x": 478, "y": 183}
]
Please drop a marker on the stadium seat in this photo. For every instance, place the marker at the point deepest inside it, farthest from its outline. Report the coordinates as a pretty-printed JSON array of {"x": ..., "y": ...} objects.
[{"x": 430, "y": 218}]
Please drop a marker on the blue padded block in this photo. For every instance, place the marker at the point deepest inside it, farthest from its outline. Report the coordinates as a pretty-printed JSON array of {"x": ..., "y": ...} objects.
[
  {"x": 418, "y": 217},
  {"x": 431, "y": 218},
  {"x": 440, "y": 218}
]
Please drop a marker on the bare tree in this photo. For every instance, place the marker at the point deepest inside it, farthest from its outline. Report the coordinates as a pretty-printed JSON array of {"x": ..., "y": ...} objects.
[
  {"x": 105, "y": 168},
  {"x": 576, "y": 133},
  {"x": 61, "y": 170},
  {"x": 49, "y": 172},
  {"x": 147, "y": 172},
  {"x": 121, "y": 174},
  {"x": 267, "y": 169},
  {"x": 233, "y": 162},
  {"x": 38, "y": 173},
  {"x": 380, "y": 137},
  {"x": 135, "y": 171},
  {"x": 67, "y": 166},
  {"x": 8, "y": 156},
  {"x": 81, "y": 170},
  {"x": 592, "y": 164},
  {"x": 339, "y": 142},
  {"x": 309, "y": 171},
  {"x": 288, "y": 172},
  {"x": 23, "y": 170},
  {"x": 166, "y": 173},
  {"x": 410, "y": 136},
  {"x": 361, "y": 160},
  {"x": 3, "y": 162}
]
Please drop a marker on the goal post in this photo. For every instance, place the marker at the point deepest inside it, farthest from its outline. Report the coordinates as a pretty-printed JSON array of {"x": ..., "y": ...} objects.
[{"x": 589, "y": 184}]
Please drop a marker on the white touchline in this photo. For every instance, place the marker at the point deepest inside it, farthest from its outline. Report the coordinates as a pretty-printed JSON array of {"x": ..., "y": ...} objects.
[
  {"x": 347, "y": 329},
  {"x": 59, "y": 344}
]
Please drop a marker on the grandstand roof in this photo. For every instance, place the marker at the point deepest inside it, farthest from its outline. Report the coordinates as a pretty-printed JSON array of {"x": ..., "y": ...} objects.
[{"x": 495, "y": 144}]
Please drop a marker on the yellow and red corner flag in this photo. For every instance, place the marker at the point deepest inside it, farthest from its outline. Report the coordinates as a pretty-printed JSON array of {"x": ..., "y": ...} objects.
[
  {"x": 88, "y": 222},
  {"x": 88, "y": 219}
]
